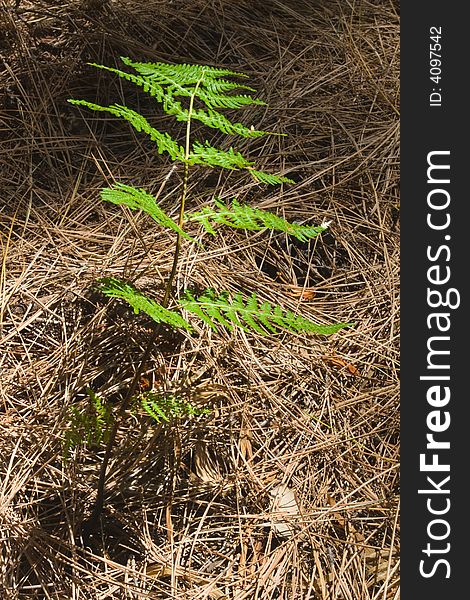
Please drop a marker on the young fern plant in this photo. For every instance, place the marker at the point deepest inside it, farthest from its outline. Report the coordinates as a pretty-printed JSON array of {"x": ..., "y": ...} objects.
[
  {"x": 190, "y": 93},
  {"x": 91, "y": 425},
  {"x": 199, "y": 93}
]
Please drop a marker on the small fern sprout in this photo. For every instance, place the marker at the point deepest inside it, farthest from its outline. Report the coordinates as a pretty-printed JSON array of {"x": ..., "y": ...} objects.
[
  {"x": 89, "y": 426},
  {"x": 165, "y": 406}
]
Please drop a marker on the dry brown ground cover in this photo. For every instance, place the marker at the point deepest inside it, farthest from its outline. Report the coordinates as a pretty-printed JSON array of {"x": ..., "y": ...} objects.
[{"x": 190, "y": 509}]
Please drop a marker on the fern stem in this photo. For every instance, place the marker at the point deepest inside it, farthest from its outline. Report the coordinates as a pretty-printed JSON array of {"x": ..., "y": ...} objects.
[{"x": 169, "y": 285}]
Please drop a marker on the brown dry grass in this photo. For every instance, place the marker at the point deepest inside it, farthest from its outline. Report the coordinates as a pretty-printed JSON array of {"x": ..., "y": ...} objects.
[{"x": 188, "y": 506}]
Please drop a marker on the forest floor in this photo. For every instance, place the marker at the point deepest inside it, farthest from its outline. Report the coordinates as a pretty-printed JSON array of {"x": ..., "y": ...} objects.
[{"x": 288, "y": 487}]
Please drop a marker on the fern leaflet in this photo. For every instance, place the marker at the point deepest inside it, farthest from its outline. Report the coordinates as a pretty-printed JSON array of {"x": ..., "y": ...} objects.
[
  {"x": 207, "y": 155},
  {"x": 165, "y": 406},
  {"x": 242, "y": 216},
  {"x": 114, "y": 288},
  {"x": 263, "y": 318},
  {"x": 139, "y": 199},
  {"x": 181, "y": 80},
  {"x": 149, "y": 86},
  {"x": 211, "y": 118},
  {"x": 184, "y": 74},
  {"x": 164, "y": 142},
  {"x": 269, "y": 178}
]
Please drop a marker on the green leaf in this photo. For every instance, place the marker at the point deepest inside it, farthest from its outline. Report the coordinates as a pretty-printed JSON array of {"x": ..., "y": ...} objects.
[
  {"x": 205, "y": 154},
  {"x": 168, "y": 84},
  {"x": 269, "y": 178},
  {"x": 211, "y": 118},
  {"x": 242, "y": 216},
  {"x": 114, "y": 288},
  {"x": 263, "y": 318},
  {"x": 149, "y": 86},
  {"x": 139, "y": 199},
  {"x": 182, "y": 74},
  {"x": 163, "y": 141},
  {"x": 165, "y": 406}
]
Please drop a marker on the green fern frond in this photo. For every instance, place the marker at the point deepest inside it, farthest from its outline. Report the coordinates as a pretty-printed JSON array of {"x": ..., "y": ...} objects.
[
  {"x": 215, "y": 310},
  {"x": 139, "y": 199},
  {"x": 211, "y": 118},
  {"x": 149, "y": 86},
  {"x": 167, "y": 406},
  {"x": 263, "y": 318},
  {"x": 205, "y": 82},
  {"x": 180, "y": 80},
  {"x": 183, "y": 74},
  {"x": 269, "y": 178},
  {"x": 114, "y": 288},
  {"x": 89, "y": 426},
  {"x": 103, "y": 415},
  {"x": 164, "y": 142},
  {"x": 205, "y": 154},
  {"x": 217, "y": 86},
  {"x": 242, "y": 216},
  {"x": 201, "y": 154},
  {"x": 166, "y": 83},
  {"x": 234, "y": 101}
]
